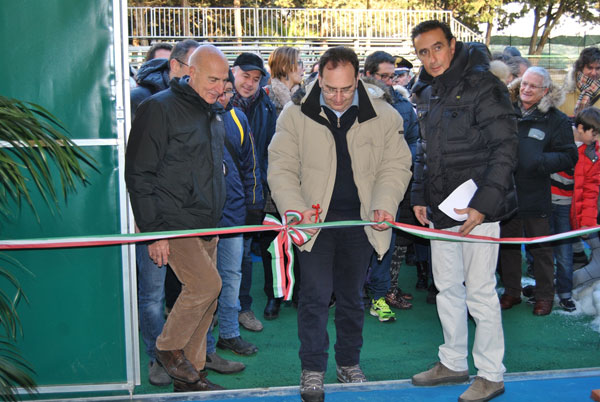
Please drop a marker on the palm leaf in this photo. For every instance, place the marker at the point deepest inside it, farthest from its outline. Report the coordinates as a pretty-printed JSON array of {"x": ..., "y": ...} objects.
[
  {"x": 32, "y": 147},
  {"x": 32, "y": 139},
  {"x": 15, "y": 372}
]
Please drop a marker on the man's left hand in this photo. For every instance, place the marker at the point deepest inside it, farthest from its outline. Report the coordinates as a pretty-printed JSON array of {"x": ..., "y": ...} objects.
[
  {"x": 379, "y": 215},
  {"x": 474, "y": 218}
]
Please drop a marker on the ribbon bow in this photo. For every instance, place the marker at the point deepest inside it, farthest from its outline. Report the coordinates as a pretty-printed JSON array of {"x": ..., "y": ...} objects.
[{"x": 282, "y": 255}]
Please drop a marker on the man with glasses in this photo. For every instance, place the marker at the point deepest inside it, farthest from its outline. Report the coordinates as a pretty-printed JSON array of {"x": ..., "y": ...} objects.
[
  {"x": 468, "y": 132},
  {"x": 155, "y": 74},
  {"x": 340, "y": 149},
  {"x": 243, "y": 193},
  {"x": 546, "y": 146},
  {"x": 153, "y": 77},
  {"x": 379, "y": 69}
]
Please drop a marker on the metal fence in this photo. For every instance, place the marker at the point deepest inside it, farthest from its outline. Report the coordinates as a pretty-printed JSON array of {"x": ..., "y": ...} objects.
[{"x": 168, "y": 23}]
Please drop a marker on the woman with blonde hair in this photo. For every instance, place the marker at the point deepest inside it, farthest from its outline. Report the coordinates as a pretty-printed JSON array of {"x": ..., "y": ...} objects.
[{"x": 287, "y": 71}]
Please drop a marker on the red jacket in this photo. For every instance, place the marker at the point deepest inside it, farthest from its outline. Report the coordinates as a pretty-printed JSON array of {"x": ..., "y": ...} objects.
[{"x": 584, "y": 206}]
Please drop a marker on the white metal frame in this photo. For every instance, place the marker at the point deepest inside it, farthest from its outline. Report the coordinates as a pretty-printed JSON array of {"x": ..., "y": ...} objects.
[{"x": 120, "y": 93}]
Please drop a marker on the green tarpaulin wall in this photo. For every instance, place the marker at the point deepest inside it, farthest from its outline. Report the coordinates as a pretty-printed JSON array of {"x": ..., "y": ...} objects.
[{"x": 77, "y": 326}]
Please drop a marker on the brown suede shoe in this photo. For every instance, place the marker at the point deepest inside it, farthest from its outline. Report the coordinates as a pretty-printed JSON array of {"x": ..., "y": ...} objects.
[
  {"x": 201, "y": 385},
  {"x": 482, "y": 390},
  {"x": 508, "y": 301},
  {"x": 176, "y": 365},
  {"x": 542, "y": 307},
  {"x": 440, "y": 374}
]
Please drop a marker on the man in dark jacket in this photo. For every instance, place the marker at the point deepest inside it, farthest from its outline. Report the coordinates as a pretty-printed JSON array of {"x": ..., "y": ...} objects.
[
  {"x": 174, "y": 175},
  {"x": 468, "y": 132},
  {"x": 250, "y": 98},
  {"x": 155, "y": 74},
  {"x": 243, "y": 202},
  {"x": 546, "y": 146},
  {"x": 154, "y": 77}
]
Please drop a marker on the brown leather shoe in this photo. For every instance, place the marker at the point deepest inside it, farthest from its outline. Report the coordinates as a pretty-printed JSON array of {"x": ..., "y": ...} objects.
[
  {"x": 201, "y": 385},
  {"x": 542, "y": 307},
  {"x": 508, "y": 301},
  {"x": 178, "y": 367}
]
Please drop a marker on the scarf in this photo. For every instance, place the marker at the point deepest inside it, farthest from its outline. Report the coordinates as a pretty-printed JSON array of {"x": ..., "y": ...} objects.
[
  {"x": 280, "y": 94},
  {"x": 244, "y": 103},
  {"x": 589, "y": 89}
]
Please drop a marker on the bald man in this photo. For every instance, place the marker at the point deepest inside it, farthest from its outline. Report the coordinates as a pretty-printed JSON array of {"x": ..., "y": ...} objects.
[{"x": 174, "y": 175}]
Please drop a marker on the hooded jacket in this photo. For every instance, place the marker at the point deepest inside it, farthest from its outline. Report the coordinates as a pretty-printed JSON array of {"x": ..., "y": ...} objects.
[
  {"x": 584, "y": 206},
  {"x": 152, "y": 77},
  {"x": 546, "y": 146},
  {"x": 174, "y": 161},
  {"x": 468, "y": 131},
  {"x": 303, "y": 161},
  {"x": 401, "y": 103}
]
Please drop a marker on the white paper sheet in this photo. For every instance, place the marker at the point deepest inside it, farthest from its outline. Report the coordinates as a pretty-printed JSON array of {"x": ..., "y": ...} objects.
[{"x": 459, "y": 199}]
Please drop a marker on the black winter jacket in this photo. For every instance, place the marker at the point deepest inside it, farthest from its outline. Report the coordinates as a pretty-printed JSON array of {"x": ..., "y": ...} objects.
[
  {"x": 174, "y": 161},
  {"x": 152, "y": 77},
  {"x": 468, "y": 131},
  {"x": 546, "y": 146}
]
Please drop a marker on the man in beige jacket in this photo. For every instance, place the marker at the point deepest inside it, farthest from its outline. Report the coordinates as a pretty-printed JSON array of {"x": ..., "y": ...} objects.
[{"x": 342, "y": 147}]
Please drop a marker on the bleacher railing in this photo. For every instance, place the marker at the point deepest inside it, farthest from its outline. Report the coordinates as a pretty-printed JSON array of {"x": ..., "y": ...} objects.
[{"x": 223, "y": 24}]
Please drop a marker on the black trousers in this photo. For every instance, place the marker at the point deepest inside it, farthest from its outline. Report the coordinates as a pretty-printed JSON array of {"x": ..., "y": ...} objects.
[
  {"x": 337, "y": 263},
  {"x": 511, "y": 257}
]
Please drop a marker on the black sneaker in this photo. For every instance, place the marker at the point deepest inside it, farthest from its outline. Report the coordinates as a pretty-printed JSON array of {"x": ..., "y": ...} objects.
[
  {"x": 237, "y": 345},
  {"x": 531, "y": 300},
  {"x": 567, "y": 304}
]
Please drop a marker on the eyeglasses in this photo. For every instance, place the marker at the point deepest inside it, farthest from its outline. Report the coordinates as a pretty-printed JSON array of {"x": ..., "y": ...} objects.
[
  {"x": 331, "y": 92},
  {"x": 229, "y": 92},
  {"x": 384, "y": 77},
  {"x": 181, "y": 62},
  {"x": 528, "y": 85}
]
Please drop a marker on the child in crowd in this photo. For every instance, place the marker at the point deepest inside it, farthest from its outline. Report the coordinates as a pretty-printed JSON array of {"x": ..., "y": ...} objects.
[{"x": 575, "y": 201}]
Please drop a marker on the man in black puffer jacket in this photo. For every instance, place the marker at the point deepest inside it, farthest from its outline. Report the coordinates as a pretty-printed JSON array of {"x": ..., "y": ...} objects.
[
  {"x": 468, "y": 132},
  {"x": 174, "y": 175}
]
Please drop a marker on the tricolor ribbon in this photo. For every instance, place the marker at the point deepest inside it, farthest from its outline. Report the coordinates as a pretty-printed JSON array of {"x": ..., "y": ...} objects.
[
  {"x": 281, "y": 248},
  {"x": 282, "y": 255}
]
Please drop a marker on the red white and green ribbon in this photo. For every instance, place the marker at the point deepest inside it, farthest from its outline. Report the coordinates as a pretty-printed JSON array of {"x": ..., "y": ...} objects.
[
  {"x": 282, "y": 254},
  {"x": 281, "y": 248}
]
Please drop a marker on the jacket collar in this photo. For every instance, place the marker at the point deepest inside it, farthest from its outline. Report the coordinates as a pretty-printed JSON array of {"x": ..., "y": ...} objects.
[
  {"x": 468, "y": 58},
  {"x": 554, "y": 98},
  {"x": 182, "y": 88},
  {"x": 311, "y": 104}
]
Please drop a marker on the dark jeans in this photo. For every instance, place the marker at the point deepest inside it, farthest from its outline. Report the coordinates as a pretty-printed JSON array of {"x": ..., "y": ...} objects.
[
  {"x": 246, "y": 284},
  {"x": 511, "y": 257},
  {"x": 380, "y": 278},
  {"x": 337, "y": 263},
  {"x": 563, "y": 250}
]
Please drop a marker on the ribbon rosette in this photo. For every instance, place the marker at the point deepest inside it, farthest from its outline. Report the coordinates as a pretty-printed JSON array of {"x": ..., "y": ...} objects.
[{"x": 282, "y": 255}]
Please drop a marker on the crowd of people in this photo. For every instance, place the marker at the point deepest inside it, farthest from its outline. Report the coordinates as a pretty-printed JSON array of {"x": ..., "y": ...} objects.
[{"x": 219, "y": 146}]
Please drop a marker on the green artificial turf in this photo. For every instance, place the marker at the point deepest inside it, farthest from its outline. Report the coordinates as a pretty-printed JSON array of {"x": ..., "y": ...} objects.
[{"x": 397, "y": 350}]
